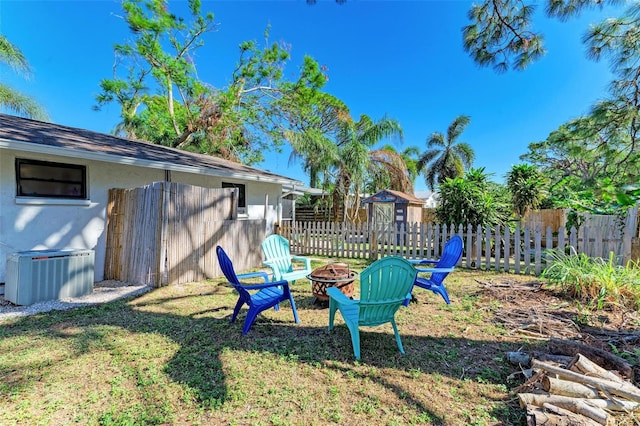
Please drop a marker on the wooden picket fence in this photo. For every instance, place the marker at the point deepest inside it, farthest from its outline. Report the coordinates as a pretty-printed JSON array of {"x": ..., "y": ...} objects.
[{"x": 522, "y": 250}]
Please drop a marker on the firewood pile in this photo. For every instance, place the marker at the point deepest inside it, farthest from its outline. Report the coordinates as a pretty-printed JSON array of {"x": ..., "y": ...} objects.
[{"x": 565, "y": 390}]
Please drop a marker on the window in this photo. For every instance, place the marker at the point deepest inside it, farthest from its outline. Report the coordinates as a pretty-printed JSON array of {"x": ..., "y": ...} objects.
[
  {"x": 51, "y": 180},
  {"x": 241, "y": 195}
]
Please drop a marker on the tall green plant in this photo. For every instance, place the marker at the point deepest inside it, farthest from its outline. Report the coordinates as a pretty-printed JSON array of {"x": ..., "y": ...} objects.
[
  {"x": 597, "y": 282},
  {"x": 471, "y": 200},
  {"x": 527, "y": 188}
]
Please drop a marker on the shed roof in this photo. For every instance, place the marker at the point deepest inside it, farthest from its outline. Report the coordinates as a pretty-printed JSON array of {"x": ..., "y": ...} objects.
[
  {"x": 391, "y": 196},
  {"x": 54, "y": 139}
]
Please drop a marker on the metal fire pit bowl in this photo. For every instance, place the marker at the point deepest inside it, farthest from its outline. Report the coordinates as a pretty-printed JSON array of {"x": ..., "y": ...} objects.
[{"x": 332, "y": 275}]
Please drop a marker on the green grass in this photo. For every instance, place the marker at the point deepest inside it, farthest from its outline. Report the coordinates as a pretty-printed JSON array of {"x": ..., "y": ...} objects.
[
  {"x": 600, "y": 283},
  {"x": 171, "y": 357}
]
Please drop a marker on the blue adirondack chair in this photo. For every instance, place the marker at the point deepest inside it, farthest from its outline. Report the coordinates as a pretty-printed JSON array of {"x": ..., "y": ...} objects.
[
  {"x": 268, "y": 295},
  {"x": 277, "y": 256},
  {"x": 451, "y": 254},
  {"x": 383, "y": 288}
]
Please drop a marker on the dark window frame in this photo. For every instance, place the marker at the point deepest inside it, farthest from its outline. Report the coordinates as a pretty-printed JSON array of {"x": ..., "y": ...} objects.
[
  {"x": 69, "y": 188},
  {"x": 242, "y": 199}
]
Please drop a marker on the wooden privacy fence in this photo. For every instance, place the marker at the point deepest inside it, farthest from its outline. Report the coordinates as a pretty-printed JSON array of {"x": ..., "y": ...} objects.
[
  {"x": 166, "y": 233},
  {"x": 523, "y": 250}
]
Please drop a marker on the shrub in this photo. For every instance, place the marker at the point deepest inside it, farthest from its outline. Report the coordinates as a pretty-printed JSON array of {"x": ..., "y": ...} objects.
[{"x": 598, "y": 282}]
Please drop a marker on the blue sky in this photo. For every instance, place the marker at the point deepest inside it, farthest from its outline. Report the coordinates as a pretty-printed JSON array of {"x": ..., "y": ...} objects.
[{"x": 402, "y": 59}]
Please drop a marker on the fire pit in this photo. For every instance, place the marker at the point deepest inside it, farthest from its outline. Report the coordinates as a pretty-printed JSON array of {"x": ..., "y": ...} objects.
[{"x": 332, "y": 275}]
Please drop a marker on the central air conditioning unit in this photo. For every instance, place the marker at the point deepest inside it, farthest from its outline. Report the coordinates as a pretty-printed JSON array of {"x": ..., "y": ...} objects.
[{"x": 40, "y": 275}]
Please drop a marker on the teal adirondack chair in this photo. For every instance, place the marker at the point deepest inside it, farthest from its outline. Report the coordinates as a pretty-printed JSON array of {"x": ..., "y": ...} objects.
[
  {"x": 383, "y": 288},
  {"x": 277, "y": 256}
]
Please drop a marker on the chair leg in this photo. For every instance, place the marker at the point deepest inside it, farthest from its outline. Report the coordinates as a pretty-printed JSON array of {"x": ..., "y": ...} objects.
[
  {"x": 293, "y": 308},
  {"x": 236, "y": 310},
  {"x": 442, "y": 292},
  {"x": 332, "y": 313},
  {"x": 354, "y": 330},
  {"x": 248, "y": 322},
  {"x": 395, "y": 331}
]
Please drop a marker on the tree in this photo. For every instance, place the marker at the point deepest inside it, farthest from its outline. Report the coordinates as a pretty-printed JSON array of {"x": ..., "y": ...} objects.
[
  {"x": 409, "y": 157},
  {"x": 472, "y": 200},
  {"x": 312, "y": 135},
  {"x": 501, "y": 33},
  {"x": 354, "y": 160},
  {"x": 10, "y": 98},
  {"x": 618, "y": 117},
  {"x": 388, "y": 170},
  {"x": 162, "y": 99},
  {"x": 583, "y": 161},
  {"x": 526, "y": 186},
  {"x": 445, "y": 157}
]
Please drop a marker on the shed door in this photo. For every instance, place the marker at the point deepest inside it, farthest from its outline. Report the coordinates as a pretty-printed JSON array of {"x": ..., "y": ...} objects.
[
  {"x": 382, "y": 220},
  {"x": 382, "y": 213}
]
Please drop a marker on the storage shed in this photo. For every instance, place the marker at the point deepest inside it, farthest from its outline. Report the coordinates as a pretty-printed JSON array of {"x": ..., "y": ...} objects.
[{"x": 395, "y": 207}]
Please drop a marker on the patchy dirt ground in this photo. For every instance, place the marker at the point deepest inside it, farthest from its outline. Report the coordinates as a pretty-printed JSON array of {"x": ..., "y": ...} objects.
[{"x": 529, "y": 309}]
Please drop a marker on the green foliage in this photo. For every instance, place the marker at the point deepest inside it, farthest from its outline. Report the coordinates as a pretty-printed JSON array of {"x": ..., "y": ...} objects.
[
  {"x": 597, "y": 282},
  {"x": 472, "y": 200},
  {"x": 585, "y": 162},
  {"x": 10, "y": 98},
  {"x": 163, "y": 100},
  {"x": 445, "y": 157},
  {"x": 356, "y": 165},
  {"x": 501, "y": 33},
  {"x": 591, "y": 160},
  {"x": 527, "y": 187}
]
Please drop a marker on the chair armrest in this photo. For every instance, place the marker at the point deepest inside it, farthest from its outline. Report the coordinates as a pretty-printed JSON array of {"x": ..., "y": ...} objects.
[
  {"x": 306, "y": 260},
  {"x": 420, "y": 261},
  {"x": 269, "y": 263},
  {"x": 434, "y": 270},
  {"x": 265, "y": 285},
  {"x": 335, "y": 293},
  {"x": 261, "y": 274}
]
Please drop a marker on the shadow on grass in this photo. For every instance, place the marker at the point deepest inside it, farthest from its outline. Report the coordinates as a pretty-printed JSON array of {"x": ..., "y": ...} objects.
[{"x": 204, "y": 335}]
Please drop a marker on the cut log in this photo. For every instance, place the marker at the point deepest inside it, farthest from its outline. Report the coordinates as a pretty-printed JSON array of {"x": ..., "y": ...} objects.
[
  {"x": 623, "y": 389},
  {"x": 601, "y": 357},
  {"x": 578, "y": 418},
  {"x": 558, "y": 359},
  {"x": 567, "y": 388},
  {"x": 583, "y": 365},
  {"x": 539, "y": 416},
  {"x": 575, "y": 405},
  {"x": 522, "y": 359},
  {"x": 563, "y": 401}
]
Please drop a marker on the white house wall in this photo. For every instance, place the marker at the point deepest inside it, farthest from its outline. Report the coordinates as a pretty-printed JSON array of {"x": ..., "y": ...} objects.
[{"x": 70, "y": 224}]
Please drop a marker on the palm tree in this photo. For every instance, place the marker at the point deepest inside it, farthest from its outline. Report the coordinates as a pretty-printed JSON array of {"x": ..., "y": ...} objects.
[
  {"x": 354, "y": 140},
  {"x": 10, "y": 98},
  {"x": 409, "y": 157},
  {"x": 445, "y": 157},
  {"x": 311, "y": 135},
  {"x": 526, "y": 185},
  {"x": 388, "y": 170}
]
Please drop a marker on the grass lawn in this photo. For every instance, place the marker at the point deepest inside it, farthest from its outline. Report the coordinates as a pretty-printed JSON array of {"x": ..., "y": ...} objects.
[{"x": 171, "y": 356}]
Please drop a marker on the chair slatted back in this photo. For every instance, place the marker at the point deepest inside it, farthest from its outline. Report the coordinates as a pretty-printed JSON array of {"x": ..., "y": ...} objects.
[{"x": 383, "y": 288}]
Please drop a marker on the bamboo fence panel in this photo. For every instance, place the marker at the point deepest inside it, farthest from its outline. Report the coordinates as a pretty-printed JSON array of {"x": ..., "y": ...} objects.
[{"x": 166, "y": 233}]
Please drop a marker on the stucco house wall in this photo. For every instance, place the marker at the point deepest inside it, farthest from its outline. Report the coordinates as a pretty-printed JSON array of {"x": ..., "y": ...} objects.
[{"x": 29, "y": 223}]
